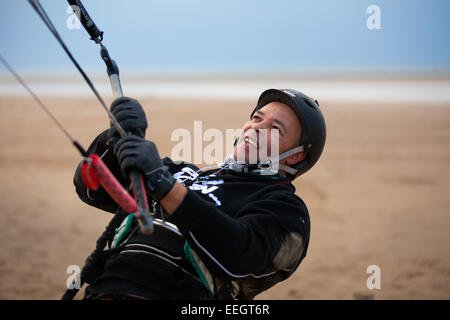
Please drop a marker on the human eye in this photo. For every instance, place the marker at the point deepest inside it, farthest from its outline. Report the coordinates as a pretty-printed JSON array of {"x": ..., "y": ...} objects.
[{"x": 256, "y": 118}]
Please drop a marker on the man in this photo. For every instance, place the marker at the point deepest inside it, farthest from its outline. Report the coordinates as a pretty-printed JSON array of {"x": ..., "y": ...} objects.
[{"x": 229, "y": 232}]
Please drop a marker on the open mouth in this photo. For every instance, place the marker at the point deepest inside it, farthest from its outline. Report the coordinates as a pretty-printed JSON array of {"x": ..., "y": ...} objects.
[{"x": 251, "y": 142}]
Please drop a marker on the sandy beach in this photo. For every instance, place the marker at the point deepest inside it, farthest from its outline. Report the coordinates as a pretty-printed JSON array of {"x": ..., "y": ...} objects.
[{"x": 378, "y": 196}]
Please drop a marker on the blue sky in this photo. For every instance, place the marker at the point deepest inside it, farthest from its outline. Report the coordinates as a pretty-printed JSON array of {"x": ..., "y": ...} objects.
[{"x": 234, "y": 36}]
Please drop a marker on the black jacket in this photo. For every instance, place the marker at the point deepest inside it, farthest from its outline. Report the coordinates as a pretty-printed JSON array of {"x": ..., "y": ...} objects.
[{"x": 242, "y": 232}]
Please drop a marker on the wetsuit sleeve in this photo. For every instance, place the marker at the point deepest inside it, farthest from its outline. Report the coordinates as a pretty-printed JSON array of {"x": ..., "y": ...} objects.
[
  {"x": 100, "y": 198},
  {"x": 264, "y": 237}
]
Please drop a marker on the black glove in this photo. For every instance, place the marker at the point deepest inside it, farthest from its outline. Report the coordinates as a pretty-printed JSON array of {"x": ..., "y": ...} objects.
[
  {"x": 131, "y": 117},
  {"x": 134, "y": 152}
]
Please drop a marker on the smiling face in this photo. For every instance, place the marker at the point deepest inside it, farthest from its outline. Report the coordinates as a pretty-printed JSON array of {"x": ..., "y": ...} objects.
[{"x": 274, "y": 124}]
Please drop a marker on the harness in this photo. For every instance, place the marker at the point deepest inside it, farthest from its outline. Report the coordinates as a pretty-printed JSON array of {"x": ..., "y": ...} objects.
[{"x": 166, "y": 243}]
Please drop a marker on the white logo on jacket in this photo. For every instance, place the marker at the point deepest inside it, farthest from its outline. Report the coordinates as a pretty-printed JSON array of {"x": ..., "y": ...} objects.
[
  {"x": 185, "y": 174},
  {"x": 206, "y": 187}
]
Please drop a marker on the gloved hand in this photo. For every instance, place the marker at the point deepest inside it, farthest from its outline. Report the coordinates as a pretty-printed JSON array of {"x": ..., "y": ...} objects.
[
  {"x": 131, "y": 117},
  {"x": 134, "y": 152}
]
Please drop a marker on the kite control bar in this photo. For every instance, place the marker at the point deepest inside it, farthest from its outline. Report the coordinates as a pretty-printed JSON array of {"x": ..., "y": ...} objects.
[
  {"x": 137, "y": 183},
  {"x": 97, "y": 37},
  {"x": 142, "y": 213}
]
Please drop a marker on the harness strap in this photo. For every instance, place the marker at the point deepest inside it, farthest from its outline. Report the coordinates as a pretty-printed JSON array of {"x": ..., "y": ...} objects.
[{"x": 204, "y": 275}]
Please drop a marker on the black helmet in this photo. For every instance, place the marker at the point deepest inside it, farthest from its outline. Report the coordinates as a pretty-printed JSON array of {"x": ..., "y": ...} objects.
[{"x": 311, "y": 119}]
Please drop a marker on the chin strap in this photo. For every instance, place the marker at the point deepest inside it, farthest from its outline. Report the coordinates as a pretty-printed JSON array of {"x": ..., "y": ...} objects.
[{"x": 267, "y": 167}]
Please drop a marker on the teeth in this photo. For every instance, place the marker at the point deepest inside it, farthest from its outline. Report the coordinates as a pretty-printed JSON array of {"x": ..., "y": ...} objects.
[{"x": 251, "y": 141}]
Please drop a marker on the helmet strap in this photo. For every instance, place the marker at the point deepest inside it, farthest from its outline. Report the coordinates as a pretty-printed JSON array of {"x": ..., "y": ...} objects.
[
  {"x": 266, "y": 167},
  {"x": 269, "y": 164}
]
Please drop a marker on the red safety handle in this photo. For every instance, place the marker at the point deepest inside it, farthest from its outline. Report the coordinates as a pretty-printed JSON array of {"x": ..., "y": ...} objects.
[{"x": 95, "y": 172}]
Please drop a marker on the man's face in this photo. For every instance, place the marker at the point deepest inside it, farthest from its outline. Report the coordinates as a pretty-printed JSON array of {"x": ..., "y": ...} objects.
[{"x": 274, "y": 124}]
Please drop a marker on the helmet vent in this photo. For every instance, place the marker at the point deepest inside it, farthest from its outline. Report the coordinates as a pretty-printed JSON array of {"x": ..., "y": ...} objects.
[{"x": 310, "y": 103}]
